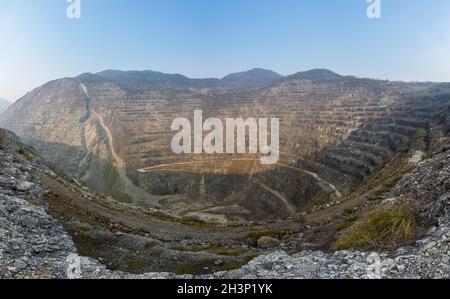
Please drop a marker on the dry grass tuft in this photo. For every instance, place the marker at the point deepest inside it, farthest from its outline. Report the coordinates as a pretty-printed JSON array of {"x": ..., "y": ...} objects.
[{"x": 383, "y": 228}]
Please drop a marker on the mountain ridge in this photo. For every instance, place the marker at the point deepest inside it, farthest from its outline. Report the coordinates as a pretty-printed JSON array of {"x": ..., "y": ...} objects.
[
  {"x": 256, "y": 77},
  {"x": 253, "y": 78}
]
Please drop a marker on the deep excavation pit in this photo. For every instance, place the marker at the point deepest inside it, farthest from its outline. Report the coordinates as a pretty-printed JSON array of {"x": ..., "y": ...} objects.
[
  {"x": 236, "y": 191},
  {"x": 342, "y": 141}
]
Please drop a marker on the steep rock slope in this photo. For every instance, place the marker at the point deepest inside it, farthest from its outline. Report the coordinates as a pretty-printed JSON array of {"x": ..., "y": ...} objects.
[{"x": 33, "y": 244}]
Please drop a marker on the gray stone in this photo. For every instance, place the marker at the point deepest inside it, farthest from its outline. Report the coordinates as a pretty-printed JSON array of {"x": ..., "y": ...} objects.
[{"x": 21, "y": 265}]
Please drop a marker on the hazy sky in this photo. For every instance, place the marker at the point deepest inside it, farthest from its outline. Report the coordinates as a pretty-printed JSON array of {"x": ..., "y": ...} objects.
[{"x": 211, "y": 38}]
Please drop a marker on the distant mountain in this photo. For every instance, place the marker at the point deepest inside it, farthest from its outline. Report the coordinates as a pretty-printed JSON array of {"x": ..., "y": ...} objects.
[
  {"x": 152, "y": 78},
  {"x": 316, "y": 75},
  {"x": 4, "y": 104},
  {"x": 251, "y": 78},
  {"x": 254, "y": 77}
]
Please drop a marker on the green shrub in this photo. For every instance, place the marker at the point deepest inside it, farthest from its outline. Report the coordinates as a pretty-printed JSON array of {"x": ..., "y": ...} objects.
[
  {"x": 348, "y": 223},
  {"x": 383, "y": 228},
  {"x": 26, "y": 154}
]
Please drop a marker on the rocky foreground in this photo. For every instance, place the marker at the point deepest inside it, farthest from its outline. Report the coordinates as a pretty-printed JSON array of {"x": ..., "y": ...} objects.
[{"x": 34, "y": 245}]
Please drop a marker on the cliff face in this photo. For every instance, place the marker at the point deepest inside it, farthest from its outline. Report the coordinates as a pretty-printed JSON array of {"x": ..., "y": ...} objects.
[{"x": 112, "y": 130}]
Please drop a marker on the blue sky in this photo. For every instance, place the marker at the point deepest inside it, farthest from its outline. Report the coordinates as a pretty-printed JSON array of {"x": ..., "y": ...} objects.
[{"x": 211, "y": 38}]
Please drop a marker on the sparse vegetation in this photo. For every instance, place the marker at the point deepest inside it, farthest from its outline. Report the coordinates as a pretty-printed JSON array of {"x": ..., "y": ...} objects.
[
  {"x": 84, "y": 243},
  {"x": 151, "y": 243},
  {"x": 194, "y": 267},
  {"x": 133, "y": 265},
  {"x": 184, "y": 268},
  {"x": 213, "y": 248},
  {"x": 83, "y": 235},
  {"x": 186, "y": 221},
  {"x": 120, "y": 196},
  {"x": 421, "y": 134},
  {"x": 347, "y": 212},
  {"x": 26, "y": 154},
  {"x": 111, "y": 175},
  {"x": 383, "y": 228},
  {"x": 391, "y": 184},
  {"x": 348, "y": 223}
]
